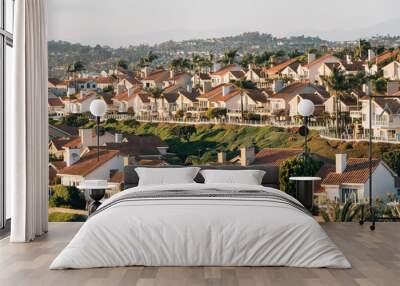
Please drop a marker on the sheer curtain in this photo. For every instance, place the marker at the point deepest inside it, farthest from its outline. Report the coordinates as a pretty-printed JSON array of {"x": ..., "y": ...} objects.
[{"x": 27, "y": 123}]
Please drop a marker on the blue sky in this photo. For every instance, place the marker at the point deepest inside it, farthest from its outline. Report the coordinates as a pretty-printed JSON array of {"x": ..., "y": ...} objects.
[{"x": 124, "y": 22}]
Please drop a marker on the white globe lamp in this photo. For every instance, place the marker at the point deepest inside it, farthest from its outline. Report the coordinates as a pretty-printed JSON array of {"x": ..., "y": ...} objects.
[
  {"x": 306, "y": 107},
  {"x": 98, "y": 108}
]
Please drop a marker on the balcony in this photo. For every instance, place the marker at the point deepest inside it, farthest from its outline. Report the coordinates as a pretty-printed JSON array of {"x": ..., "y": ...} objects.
[{"x": 374, "y": 257}]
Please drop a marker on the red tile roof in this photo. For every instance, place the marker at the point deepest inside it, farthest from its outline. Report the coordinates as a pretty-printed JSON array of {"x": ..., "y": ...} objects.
[
  {"x": 276, "y": 156},
  {"x": 55, "y": 102},
  {"x": 224, "y": 70},
  {"x": 73, "y": 143},
  {"x": 356, "y": 172},
  {"x": 158, "y": 75},
  {"x": 318, "y": 61},
  {"x": 152, "y": 162},
  {"x": 88, "y": 162},
  {"x": 280, "y": 67}
]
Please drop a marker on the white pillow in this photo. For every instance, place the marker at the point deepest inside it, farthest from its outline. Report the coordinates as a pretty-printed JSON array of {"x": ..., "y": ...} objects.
[
  {"x": 248, "y": 177},
  {"x": 166, "y": 176}
]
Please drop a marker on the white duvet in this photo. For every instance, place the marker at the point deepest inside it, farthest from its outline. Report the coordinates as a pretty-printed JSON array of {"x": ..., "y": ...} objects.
[{"x": 200, "y": 232}]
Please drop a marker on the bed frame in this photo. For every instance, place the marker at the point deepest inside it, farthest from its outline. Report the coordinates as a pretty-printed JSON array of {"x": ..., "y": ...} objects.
[{"x": 270, "y": 179}]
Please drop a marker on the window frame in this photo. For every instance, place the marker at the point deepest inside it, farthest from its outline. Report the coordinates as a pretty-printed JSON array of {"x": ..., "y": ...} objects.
[{"x": 6, "y": 39}]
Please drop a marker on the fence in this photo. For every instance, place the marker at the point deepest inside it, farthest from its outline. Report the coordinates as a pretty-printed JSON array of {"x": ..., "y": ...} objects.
[{"x": 329, "y": 135}]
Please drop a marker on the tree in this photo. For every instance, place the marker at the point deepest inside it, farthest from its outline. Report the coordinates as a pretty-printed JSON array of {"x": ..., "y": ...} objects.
[
  {"x": 147, "y": 60},
  {"x": 297, "y": 166},
  {"x": 338, "y": 83},
  {"x": 123, "y": 64},
  {"x": 229, "y": 57},
  {"x": 216, "y": 113},
  {"x": 74, "y": 68},
  {"x": 361, "y": 50},
  {"x": 392, "y": 158},
  {"x": 184, "y": 131},
  {"x": 242, "y": 85},
  {"x": 156, "y": 94},
  {"x": 76, "y": 120},
  {"x": 180, "y": 64},
  {"x": 66, "y": 197}
]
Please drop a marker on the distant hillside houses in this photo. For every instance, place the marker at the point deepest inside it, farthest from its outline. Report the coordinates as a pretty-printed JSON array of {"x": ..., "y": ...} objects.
[{"x": 271, "y": 93}]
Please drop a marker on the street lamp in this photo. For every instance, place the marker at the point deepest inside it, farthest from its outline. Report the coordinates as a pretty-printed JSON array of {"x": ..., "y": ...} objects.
[
  {"x": 98, "y": 108},
  {"x": 305, "y": 108}
]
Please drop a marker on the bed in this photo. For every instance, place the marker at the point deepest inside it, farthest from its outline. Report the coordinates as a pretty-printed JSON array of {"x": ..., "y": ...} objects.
[{"x": 197, "y": 224}]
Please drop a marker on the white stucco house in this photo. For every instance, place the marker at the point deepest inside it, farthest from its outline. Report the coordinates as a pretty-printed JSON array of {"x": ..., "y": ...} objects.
[
  {"x": 79, "y": 103},
  {"x": 350, "y": 180},
  {"x": 87, "y": 167},
  {"x": 392, "y": 71},
  {"x": 311, "y": 71}
]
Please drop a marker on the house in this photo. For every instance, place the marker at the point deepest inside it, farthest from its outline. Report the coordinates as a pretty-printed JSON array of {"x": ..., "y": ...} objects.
[
  {"x": 287, "y": 68},
  {"x": 346, "y": 103},
  {"x": 55, "y": 106},
  {"x": 276, "y": 156},
  {"x": 128, "y": 83},
  {"x": 311, "y": 70},
  {"x": 385, "y": 117},
  {"x": 350, "y": 180},
  {"x": 228, "y": 96},
  {"x": 223, "y": 75},
  {"x": 125, "y": 100},
  {"x": 157, "y": 78},
  {"x": 62, "y": 130},
  {"x": 173, "y": 100},
  {"x": 141, "y": 103},
  {"x": 256, "y": 75},
  {"x": 202, "y": 81},
  {"x": 374, "y": 63},
  {"x": 135, "y": 148},
  {"x": 103, "y": 82},
  {"x": 83, "y": 83},
  {"x": 316, "y": 98},
  {"x": 79, "y": 102},
  {"x": 57, "y": 87},
  {"x": 88, "y": 166},
  {"x": 279, "y": 102},
  {"x": 391, "y": 71},
  {"x": 56, "y": 146}
]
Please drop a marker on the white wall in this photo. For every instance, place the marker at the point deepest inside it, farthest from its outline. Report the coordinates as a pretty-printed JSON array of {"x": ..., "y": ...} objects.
[{"x": 382, "y": 183}]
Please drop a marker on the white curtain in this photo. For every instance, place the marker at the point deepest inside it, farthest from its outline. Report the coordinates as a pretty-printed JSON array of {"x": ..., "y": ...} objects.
[{"x": 27, "y": 123}]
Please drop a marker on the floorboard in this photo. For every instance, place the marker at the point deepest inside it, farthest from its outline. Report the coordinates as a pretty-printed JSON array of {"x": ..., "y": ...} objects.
[{"x": 375, "y": 257}]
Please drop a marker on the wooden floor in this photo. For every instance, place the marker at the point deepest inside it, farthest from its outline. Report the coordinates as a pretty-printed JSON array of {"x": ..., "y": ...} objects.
[{"x": 375, "y": 257}]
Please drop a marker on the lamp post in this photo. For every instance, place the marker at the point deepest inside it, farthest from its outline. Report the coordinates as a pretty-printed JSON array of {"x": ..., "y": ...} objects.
[
  {"x": 98, "y": 108},
  {"x": 305, "y": 108}
]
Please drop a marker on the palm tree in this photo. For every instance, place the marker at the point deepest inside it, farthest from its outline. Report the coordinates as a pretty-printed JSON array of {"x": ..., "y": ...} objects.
[
  {"x": 338, "y": 83},
  {"x": 73, "y": 68},
  {"x": 229, "y": 57},
  {"x": 123, "y": 64},
  {"x": 242, "y": 86},
  {"x": 147, "y": 60},
  {"x": 156, "y": 94}
]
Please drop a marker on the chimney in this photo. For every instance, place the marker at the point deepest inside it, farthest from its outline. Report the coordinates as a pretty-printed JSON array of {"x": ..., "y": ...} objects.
[
  {"x": 311, "y": 57},
  {"x": 86, "y": 137},
  {"x": 130, "y": 91},
  {"x": 171, "y": 74},
  {"x": 118, "y": 138},
  {"x": 247, "y": 156},
  {"x": 71, "y": 156},
  {"x": 221, "y": 157},
  {"x": 277, "y": 85},
  {"x": 126, "y": 160},
  {"x": 366, "y": 88},
  {"x": 392, "y": 87},
  {"x": 146, "y": 72},
  {"x": 348, "y": 59},
  {"x": 189, "y": 88},
  {"x": 226, "y": 89},
  {"x": 341, "y": 162},
  {"x": 206, "y": 86},
  {"x": 371, "y": 55}
]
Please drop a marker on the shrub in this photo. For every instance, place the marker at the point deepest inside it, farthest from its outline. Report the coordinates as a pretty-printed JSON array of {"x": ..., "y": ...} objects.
[
  {"x": 66, "y": 217},
  {"x": 216, "y": 113},
  {"x": 297, "y": 167},
  {"x": 111, "y": 121},
  {"x": 76, "y": 120},
  {"x": 131, "y": 123},
  {"x": 66, "y": 197},
  {"x": 392, "y": 158}
]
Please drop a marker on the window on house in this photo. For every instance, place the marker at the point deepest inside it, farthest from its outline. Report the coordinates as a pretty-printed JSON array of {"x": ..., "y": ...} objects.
[
  {"x": 349, "y": 194},
  {"x": 6, "y": 44}
]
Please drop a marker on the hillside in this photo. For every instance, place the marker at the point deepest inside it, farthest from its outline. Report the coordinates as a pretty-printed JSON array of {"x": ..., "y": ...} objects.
[{"x": 201, "y": 146}]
